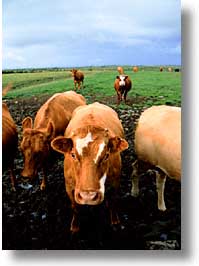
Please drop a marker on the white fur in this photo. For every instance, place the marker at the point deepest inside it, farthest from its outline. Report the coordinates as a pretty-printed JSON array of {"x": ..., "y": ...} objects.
[
  {"x": 122, "y": 80},
  {"x": 101, "y": 148},
  {"x": 102, "y": 183},
  {"x": 82, "y": 143}
]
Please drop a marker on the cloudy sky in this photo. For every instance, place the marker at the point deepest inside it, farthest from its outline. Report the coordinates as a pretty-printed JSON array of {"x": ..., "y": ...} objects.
[{"x": 63, "y": 33}]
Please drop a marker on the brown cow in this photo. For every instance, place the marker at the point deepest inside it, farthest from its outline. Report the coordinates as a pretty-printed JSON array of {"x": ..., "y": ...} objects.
[
  {"x": 158, "y": 144},
  {"x": 78, "y": 78},
  {"x": 161, "y": 69},
  {"x": 50, "y": 121},
  {"x": 91, "y": 145},
  {"x": 122, "y": 86},
  {"x": 9, "y": 143},
  {"x": 170, "y": 69},
  {"x": 120, "y": 70},
  {"x": 135, "y": 69}
]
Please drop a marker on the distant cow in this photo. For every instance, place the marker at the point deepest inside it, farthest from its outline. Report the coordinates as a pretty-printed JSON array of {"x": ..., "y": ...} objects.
[
  {"x": 177, "y": 70},
  {"x": 170, "y": 69},
  {"x": 122, "y": 86},
  {"x": 9, "y": 143},
  {"x": 120, "y": 70},
  {"x": 158, "y": 145},
  {"x": 161, "y": 69},
  {"x": 50, "y": 121},
  {"x": 78, "y": 78},
  {"x": 91, "y": 145},
  {"x": 135, "y": 69}
]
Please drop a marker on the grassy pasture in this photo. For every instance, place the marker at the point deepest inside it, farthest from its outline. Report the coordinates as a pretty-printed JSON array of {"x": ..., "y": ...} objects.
[{"x": 163, "y": 87}]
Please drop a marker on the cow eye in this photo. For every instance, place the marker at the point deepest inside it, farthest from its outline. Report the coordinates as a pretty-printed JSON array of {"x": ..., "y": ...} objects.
[{"x": 73, "y": 156}]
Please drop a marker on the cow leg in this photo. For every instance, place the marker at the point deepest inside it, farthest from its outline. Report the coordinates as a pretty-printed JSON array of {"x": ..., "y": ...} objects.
[
  {"x": 75, "y": 85},
  {"x": 74, "y": 226},
  {"x": 118, "y": 98},
  {"x": 160, "y": 185},
  {"x": 125, "y": 94},
  {"x": 13, "y": 179},
  {"x": 135, "y": 180},
  {"x": 112, "y": 204},
  {"x": 78, "y": 85},
  {"x": 43, "y": 182}
]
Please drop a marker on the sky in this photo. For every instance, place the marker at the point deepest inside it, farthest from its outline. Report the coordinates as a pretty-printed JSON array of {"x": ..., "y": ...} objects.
[{"x": 63, "y": 33}]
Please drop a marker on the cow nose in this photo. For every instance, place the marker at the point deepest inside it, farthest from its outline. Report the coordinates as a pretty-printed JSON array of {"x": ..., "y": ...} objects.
[{"x": 88, "y": 197}]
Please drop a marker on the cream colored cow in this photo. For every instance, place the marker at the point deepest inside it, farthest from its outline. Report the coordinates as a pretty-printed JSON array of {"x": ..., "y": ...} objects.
[{"x": 158, "y": 143}]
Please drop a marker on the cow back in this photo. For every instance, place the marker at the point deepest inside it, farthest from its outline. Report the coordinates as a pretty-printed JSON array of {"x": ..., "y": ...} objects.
[
  {"x": 97, "y": 115},
  {"x": 58, "y": 109}
]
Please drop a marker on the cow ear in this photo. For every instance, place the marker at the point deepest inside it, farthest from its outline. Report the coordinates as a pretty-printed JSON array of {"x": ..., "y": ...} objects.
[
  {"x": 117, "y": 77},
  {"x": 62, "y": 144},
  {"x": 27, "y": 123},
  {"x": 126, "y": 77},
  {"x": 117, "y": 144},
  {"x": 50, "y": 129}
]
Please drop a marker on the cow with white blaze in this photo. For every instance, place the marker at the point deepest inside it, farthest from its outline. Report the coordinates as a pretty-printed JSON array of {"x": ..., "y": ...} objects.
[
  {"x": 92, "y": 144},
  {"x": 158, "y": 145}
]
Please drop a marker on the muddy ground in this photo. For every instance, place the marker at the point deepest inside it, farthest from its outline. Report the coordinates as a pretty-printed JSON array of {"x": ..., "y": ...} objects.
[{"x": 35, "y": 219}]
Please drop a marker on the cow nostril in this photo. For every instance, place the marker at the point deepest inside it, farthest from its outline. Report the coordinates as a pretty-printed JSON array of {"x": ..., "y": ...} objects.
[{"x": 88, "y": 195}]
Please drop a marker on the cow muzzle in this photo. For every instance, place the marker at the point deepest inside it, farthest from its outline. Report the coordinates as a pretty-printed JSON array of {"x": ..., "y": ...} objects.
[
  {"x": 88, "y": 197},
  {"x": 28, "y": 174}
]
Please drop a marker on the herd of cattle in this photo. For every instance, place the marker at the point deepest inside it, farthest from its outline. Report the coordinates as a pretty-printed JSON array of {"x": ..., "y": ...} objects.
[{"x": 91, "y": 138}]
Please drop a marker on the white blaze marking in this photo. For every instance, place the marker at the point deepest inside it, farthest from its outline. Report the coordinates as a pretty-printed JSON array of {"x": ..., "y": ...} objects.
[
  {"x": 82, "y": 143},
  {"x": 122, "y": 82},
  {"x": 101, "y": 148},
  {"x": 102, "y": 183}
]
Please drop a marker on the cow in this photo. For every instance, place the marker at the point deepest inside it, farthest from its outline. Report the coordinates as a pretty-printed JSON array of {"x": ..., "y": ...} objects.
[
  {"x": 122, "y": 86},
  {"x": 170, "y": 69},
  {"x": 9, "y": 143},
  {"x": 50, "y": 121},
  {"x": 158, "y": 145},
  {"x": 91, "y": 145},
  {"x": 135, "y": 69},
  {"x": 161, "y": 69},
  {"x": 78, "y": 78},
  {"x": 120, "y": 70},
  {"x": 177, "y": 70}
]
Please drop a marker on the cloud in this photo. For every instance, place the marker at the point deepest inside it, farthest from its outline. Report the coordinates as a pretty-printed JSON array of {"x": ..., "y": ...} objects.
[{"x": 77, "y": 27}]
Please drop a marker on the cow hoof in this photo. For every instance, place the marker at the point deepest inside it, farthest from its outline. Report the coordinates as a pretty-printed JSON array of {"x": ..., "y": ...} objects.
[
  {"x": 13, "y": 189},
  {"x": 42, "y": 187}
]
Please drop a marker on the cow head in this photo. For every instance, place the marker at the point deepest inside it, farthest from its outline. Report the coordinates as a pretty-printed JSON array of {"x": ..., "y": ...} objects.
[
  {"x": 35, "y": 147},
  {"x": 73, "y": 71},
  {"x": 89, "y": 153},
  {"x": 122, "y": 79}
]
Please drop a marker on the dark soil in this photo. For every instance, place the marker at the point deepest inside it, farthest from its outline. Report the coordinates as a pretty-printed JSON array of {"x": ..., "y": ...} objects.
[{"x": 35, "y": 219}]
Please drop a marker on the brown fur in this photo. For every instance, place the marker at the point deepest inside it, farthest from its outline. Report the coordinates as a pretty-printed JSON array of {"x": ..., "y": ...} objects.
[
  {"x": 161, "y": 69},
  {"x": 135, "y": 69},
  {"x": 122, "y": 91},
  {"x": 51, "y": 120},
  {"x": 120, "y": 70},
  {"x": 83, "y": 171},
  {"x": 9, "y": 143},
  {"x": 78, "y": 78}
]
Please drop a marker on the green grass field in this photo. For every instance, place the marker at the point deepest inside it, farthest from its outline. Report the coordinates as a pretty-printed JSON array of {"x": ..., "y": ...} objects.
[{"x": 148, "y": 82}]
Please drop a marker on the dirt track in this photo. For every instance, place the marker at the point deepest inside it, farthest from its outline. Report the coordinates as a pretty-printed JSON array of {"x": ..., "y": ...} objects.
[{"x": 34, "y": 219}]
